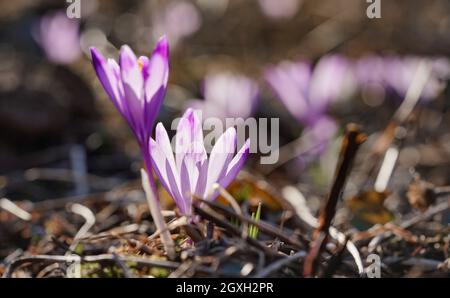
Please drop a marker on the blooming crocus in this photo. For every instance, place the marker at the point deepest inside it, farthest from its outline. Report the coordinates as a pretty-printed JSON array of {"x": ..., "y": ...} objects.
[
  {"x": 59, "y": 37},
  {"x": 227, "y": 95},
  {"x": 307, "y": 92},
  {"x": 190, "y": 171},
  {"x": 137, "y": 87}
]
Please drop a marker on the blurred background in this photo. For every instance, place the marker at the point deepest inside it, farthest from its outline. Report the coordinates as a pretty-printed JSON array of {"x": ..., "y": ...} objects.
[{"x": 316, "y": 65}]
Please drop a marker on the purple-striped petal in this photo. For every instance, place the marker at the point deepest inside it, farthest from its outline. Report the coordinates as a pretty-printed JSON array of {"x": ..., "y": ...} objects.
[
  {"x": 220, "y": 157},
  {"x": 186, "y": 190},
  {"x": 189, "y": 138},
  {"x": 157, "y": 70},
  {"x": 176, "y": 191},
  {"x": 167, "y": 172},
  {"x": 132, "y": 78},
  {"x": 133, "y": 82},
  {"x": 202, "y": 168},
  {"x": 162, "y": 138},
  {"x": 158, "y": 160},
  {"x": 233, "y": 168},
  {"x": 107, "y": 74},
  {"x": 189, "y": 144},
  {"x": 162, "y": 157},
  {"x": 236, "y": 164}
]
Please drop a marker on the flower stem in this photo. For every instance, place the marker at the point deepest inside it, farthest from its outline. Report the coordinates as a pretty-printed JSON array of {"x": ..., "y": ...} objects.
[{"x": 155, "y": 209}]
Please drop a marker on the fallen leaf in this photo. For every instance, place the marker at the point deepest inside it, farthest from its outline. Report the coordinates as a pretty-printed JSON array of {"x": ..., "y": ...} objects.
[{"x": 368, "y": 209}]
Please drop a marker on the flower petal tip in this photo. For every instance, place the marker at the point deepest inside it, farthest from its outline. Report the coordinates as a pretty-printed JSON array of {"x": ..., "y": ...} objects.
[
  {"x": 96, "y": 56},
  {"x": 127, "y": 56},
  {"x": 163, "y": 40},
  {"x": 162, "y": 46}
]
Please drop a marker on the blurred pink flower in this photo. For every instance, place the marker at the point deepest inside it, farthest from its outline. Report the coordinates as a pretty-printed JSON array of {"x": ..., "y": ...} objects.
[
  {"x": 321, "y": 133},
  {"x": 227, "y": 95},
  {"x": 441, "y": 67},
  {"x": 307, "y": 92},
  {"x": 179, "y": 19},
  {"x": 369, "y": 71},
  {"x": 400, "y": 72},
  {"x": 318, "y": 138},
  {"x": 59, "y": 37},
  {"x": 280, "y": 9}
]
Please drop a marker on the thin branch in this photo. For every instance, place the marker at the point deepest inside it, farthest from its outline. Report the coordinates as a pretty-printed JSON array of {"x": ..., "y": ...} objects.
[
  {"x": 230, "y": 228},
  {"x": 126, "y": 271},
  {"x": 89, "y": 218},
  {"x": 277, "y": 265},
  {"x": 261, "y": 225},
  {"x": 13, "y": 208},
  {"x": 230, "y": 199},
  {"x": 350, "y": 144}
]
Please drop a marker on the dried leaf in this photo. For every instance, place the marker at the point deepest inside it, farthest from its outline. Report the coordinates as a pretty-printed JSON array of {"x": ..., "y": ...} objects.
[{"x": 368, "y": 209}]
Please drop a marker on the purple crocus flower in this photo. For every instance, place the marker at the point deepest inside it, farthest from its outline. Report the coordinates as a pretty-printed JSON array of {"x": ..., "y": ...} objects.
[
  {"x": 59, "y": 37},
  {"x": 281, "y": 9},
  {"x": 136, "y": 86},
  {"x": 307, "y": 92},
  {"x": 370, "y": 71},
  {"x": 190, "y": 172},
  {"x": 227, "y": 95}
]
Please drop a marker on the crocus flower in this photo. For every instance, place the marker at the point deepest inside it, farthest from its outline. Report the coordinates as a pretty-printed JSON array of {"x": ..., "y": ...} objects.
[
  {"x": 190, "y": 171},
  {"x": 59, "y": 37},
  {"x": 307, "y": 92},
  {"x": 281, "y": 9},
  {"x": 178, "y": 20},
  {"x": 227, "y": 95},
  {"x": 136, "y": 86},
  {"x": 370, "y": 71}
]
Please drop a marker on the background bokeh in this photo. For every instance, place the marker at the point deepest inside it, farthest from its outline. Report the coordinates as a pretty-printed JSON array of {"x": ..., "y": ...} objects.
[{"x": 55, "y": 118}]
